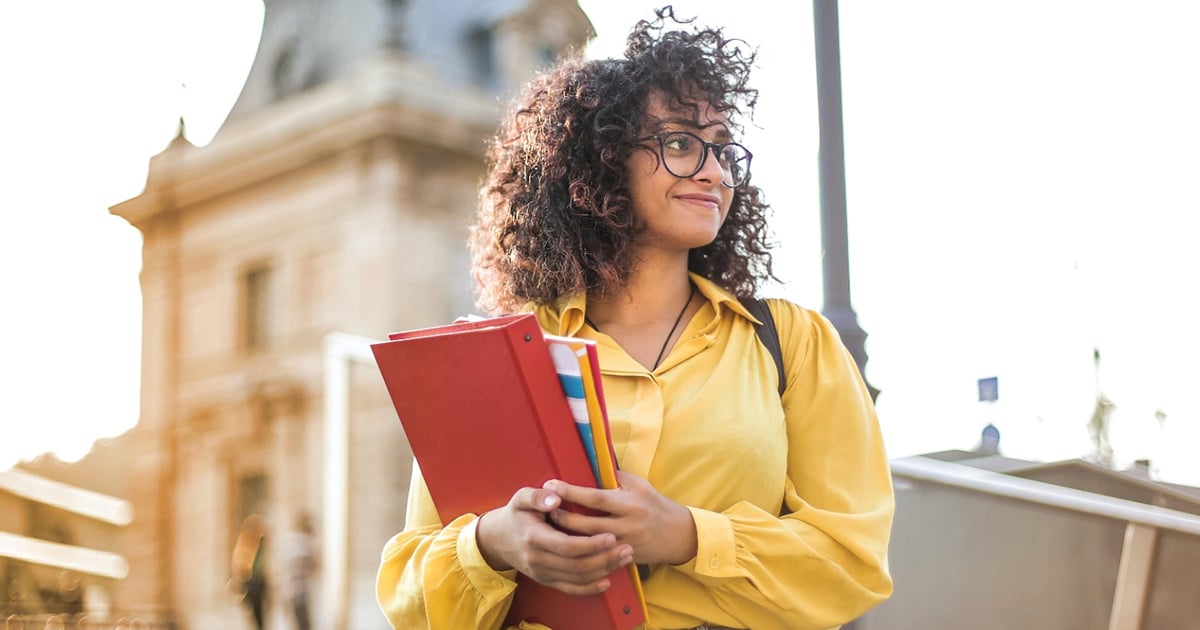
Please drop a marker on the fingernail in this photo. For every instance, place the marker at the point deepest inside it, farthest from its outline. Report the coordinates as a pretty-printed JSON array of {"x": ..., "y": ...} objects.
[{"x": 548, "y": 501}]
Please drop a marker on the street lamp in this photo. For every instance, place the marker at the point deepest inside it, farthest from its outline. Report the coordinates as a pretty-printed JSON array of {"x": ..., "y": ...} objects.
[{"x": 832, "y": 170}]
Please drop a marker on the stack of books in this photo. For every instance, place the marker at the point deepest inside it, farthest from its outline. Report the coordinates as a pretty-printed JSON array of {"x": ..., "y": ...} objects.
[{"x": 494, "y": 405}]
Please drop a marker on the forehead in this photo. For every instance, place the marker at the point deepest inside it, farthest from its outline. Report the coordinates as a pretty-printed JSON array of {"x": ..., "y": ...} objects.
[{"x": 660, "y": 114}]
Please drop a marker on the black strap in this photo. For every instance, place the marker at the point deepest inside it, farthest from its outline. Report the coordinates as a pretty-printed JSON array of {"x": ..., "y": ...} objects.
[{"x": 768, "y": 335}]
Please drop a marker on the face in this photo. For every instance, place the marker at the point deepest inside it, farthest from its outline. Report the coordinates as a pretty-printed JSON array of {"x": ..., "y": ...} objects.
[{"x": 678, "y": 213}]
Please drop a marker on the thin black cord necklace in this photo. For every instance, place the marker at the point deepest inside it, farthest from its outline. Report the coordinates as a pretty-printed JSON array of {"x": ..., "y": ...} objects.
[{"x": 678, "y": 318}]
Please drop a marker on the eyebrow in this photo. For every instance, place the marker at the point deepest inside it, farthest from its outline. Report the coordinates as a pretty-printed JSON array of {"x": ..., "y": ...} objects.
[{"x": 722, "y": 134}]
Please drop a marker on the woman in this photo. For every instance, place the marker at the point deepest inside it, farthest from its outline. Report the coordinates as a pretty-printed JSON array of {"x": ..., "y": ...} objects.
[{"x": 618, "y": 208}]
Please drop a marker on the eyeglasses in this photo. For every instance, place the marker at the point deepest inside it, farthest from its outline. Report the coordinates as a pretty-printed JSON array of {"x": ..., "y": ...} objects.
[{"x": 684, "y": 153}]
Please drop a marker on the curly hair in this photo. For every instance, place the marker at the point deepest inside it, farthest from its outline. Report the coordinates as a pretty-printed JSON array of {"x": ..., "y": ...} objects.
[{"x": 555, "y": 214}]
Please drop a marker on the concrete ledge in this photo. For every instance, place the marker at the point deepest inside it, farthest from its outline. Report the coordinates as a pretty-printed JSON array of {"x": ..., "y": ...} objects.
[
  {"x": 67, "y": 497},
  {"x": 80, "y": 559}
]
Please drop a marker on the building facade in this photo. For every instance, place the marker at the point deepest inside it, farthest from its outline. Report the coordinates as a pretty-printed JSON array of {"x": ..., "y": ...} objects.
[{"x": 334, "y": 201}]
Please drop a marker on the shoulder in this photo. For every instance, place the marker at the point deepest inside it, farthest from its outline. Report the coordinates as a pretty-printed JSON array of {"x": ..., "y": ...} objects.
[
  {"x": 804, "y": 333},
  {"x": 793, "y": 317}
]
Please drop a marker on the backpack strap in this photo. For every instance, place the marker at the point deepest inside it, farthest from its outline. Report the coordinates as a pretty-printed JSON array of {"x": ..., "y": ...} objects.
[{"x": 768, "y": 335}]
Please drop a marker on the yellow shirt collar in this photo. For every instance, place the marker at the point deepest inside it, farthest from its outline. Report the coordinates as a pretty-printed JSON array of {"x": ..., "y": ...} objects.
[{"x": 566, "y": 316}]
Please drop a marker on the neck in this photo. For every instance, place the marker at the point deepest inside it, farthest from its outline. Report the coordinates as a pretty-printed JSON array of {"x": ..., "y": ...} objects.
[{"x": 652, "y": 294}]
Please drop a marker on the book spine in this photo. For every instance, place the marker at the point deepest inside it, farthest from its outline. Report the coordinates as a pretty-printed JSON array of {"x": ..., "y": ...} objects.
[{"x": 566, "y": 451}]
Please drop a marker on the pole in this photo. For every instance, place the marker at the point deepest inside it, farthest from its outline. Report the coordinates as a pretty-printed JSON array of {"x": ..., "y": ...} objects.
[
  {"x": 832, "y": 170},
  {"x": 340, "y": 351}
]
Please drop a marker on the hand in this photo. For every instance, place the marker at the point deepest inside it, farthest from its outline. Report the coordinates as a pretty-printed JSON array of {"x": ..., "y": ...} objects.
[
  {"x": 659, "y": 529},
  {"x": 518, "y": 536}
]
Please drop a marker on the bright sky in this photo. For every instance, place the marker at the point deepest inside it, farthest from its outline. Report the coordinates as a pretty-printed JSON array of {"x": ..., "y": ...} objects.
[{"x": 1022, "y": 177}]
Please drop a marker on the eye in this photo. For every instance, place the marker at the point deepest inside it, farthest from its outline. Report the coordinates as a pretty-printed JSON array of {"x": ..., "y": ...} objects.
[{"x": 678, "y": 142}]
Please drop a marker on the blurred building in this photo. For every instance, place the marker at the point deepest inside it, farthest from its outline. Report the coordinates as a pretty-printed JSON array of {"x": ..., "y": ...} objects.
[{"x": 334, "y": 201}]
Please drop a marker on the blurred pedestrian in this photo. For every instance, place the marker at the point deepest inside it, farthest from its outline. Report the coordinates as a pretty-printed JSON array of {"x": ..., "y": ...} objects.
[
  {"x": 300, "y": 562},
  {"x": 247, "y": 567}
]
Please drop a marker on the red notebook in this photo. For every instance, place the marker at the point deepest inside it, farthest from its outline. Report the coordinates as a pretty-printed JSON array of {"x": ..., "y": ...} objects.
[{"x": 485, "y": 415}]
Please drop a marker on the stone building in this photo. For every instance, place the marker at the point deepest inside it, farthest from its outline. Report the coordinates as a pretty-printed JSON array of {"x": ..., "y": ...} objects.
[{"x": 334, "y": 200}]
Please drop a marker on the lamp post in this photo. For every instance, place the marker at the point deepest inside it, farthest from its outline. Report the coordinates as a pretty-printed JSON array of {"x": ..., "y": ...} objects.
[{"x": 832, "y": 170}]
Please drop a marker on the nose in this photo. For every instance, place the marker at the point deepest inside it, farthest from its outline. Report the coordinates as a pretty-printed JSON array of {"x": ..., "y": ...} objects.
[{"x": 710, "y": 166}]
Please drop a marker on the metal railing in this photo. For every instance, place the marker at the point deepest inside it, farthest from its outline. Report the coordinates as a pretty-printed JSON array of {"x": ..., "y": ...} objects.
[
  {"x": 62, "y": 621},
  {"x": 1142, "y": 522}
]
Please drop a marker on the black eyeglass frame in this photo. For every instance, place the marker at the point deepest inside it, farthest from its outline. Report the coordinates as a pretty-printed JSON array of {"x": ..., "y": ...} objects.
[{"x": 708, "y": 147}]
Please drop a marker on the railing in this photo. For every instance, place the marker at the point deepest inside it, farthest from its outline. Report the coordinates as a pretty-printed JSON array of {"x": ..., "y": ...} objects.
[
  {"x": 1143, "y": 522},
  {"x": 80, "y": 622}
]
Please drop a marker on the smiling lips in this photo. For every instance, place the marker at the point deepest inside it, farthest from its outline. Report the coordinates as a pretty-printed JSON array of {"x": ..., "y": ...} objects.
[{"x": 702, "y": 199}]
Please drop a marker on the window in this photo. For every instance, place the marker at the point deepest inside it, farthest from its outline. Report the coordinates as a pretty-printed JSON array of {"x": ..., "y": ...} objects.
[
  {"x": 481, "y": 47},
  {"x": 547, "y": 56},
  {"x": 252, "y": 495},
  {"x": 259, "y": 308}
]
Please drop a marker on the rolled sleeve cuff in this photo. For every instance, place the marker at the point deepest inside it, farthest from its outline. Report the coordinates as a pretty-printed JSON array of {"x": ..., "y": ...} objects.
[
  {"x": 716, "y": 551},
  {"x": 492, "y": 585}
]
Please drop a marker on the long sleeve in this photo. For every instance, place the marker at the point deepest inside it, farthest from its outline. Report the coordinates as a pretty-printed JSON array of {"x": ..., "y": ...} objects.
[
  {"x": 435, "y": 577},
  {"x": 823, "y": 562},
  {"x": 792, "y": 499}
]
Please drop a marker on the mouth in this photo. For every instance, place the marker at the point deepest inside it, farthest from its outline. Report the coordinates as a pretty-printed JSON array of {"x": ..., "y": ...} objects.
[{"x": 701, "y": 199}]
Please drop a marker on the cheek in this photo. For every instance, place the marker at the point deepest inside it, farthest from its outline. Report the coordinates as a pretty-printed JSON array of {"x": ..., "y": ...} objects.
[
  {"x": 726, "y": 204},
  {"x": 644, "y": 179},
  {"x": 642, "y": 167}
]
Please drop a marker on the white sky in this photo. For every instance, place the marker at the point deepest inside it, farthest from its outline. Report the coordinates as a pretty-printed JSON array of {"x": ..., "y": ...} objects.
[{"x": 1022, "y": 181}]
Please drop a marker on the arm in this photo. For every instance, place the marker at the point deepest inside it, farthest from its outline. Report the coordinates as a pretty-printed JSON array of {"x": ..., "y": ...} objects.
[
  {"x": 821, "y": 562},
  {"x": 824, "y": 562},
  {"x": 461, "y": 576},
  {"x": 435, "y": 577}
]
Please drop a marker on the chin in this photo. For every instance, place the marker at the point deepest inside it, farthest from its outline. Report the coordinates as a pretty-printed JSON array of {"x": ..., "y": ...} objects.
[{"x": 702, "y": 241}]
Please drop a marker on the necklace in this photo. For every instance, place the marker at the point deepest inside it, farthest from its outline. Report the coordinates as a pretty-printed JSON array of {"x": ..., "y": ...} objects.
[{"x": 678, "y": 318}]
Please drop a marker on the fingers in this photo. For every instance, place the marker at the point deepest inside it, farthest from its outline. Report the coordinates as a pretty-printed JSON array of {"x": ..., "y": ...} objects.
[
  {"x": 657, "y": 528},
  {"x": 608, "y": 501},
  {"x": 575, "y": 548},
  {"x": 612, "y": 504},
  {"x": 502, "y": 534},
  {"x": 536, "y": 499},
  {"x": 579, "y": 564},
  {"x": 594, "y": 588},
  {"x": 518, "y": 536}
]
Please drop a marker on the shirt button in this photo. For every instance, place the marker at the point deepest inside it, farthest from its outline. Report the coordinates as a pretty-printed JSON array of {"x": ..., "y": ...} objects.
[
  {"x": 495, "y": 583},
  {"x": 714, "y": 563}
]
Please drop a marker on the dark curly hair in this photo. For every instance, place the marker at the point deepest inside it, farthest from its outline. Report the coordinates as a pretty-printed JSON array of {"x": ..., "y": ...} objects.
[{"x": 555, "y": 214}]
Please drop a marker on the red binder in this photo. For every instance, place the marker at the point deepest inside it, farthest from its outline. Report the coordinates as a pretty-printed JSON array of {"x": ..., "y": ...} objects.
[{"x": 485, "y": 415}]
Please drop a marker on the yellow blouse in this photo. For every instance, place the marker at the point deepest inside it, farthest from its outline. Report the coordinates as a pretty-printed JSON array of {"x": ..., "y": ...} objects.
[{"x": 793, "y": 503}]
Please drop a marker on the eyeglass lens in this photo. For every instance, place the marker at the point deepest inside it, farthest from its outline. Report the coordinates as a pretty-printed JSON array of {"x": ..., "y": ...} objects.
[{"x": 684, "y": 154}]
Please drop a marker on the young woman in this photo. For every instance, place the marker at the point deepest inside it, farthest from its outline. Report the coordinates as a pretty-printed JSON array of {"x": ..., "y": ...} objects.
[{"x": 618, "y": 207}]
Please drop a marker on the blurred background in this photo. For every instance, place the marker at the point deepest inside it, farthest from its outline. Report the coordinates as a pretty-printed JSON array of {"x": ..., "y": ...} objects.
[{"x": 213, "y": 204}]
